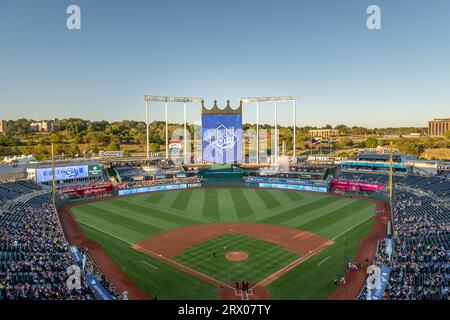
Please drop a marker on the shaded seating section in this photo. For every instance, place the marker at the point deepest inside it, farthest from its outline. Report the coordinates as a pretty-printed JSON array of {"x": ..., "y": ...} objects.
[
  {"x": 34, "y": 254},
  {"x": 11, "y": 190},
  {"x": 439, "y": 186}
]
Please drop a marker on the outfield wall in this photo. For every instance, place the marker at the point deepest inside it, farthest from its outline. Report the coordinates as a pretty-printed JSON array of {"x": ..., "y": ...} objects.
[{"x": 293, "y": 187}]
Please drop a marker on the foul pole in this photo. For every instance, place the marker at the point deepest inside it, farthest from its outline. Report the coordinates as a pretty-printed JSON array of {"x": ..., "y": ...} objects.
[
  {"x": 146, "y": 125},
  {"x": 391, "y": 185},
  {"x": 53, "y": 178}
]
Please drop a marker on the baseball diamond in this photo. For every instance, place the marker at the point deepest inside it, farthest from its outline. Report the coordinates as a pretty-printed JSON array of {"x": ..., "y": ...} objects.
[{"x": 175, "y": 244}]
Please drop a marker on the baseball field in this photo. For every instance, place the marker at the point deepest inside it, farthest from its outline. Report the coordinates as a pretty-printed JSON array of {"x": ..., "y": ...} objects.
[{"x": 197, "y": 243}]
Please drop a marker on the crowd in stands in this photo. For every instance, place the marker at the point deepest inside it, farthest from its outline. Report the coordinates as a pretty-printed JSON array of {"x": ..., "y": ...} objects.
[
  {"x": 81, "y": 183},
  {"x": 438, "y": 186},
  {"x": 161, "y": 182},
  {"x": 420, "y": 261},
  {"x": 34, "y": 254}
]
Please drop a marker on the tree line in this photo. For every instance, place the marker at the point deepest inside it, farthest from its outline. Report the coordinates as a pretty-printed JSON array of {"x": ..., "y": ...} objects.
[{"x": 78, "y": 136}]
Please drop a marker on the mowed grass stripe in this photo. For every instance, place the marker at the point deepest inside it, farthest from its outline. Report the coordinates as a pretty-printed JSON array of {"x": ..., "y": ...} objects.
[
  {"x": 294, "y": 196},
  {"x": 155, "y": 197},
  {"x": 182, "y": 199},
  {"x": 168, "y": 282},
  {"x": 211, "y": 204},
  {"x": 263, "y": 258},
  {"x": 138, "y": 216},
  {"x": 241, "y": 204},
  {"x": 155, "y": 213},
  {"x": 332, "y": 230},
  {"x": 258, "y": 207},
  {"x": 197, "y": 253},
  {"x": 269, "y": 200},
  {"x": 124, "y": 222},
  {"x": 290, "y": 214},
  {"x": 335, "y": 216},
  {"x": 310, "y": 281}
]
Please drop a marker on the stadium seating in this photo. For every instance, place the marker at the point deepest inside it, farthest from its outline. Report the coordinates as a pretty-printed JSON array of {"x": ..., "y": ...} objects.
[
  {"x": 34, "y": 254},
  {"x": 420, "y": 264}
]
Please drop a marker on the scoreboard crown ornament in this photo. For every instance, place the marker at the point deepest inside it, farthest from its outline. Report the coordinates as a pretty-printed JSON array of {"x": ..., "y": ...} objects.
[{"x": 216, "y": 110}]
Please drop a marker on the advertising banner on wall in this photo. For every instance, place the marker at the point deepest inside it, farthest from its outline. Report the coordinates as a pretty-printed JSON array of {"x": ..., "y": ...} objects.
[
  {"x": 96, "y": 287},
  {"x": 62, "y": 173},
  {"x": 377, "y": 293},
  {"x": 87, "y": 190},
  {"x": 95, "y": 170},
  {"x": 68, "y": 172},
  {"x": 292, "y": 187},
  {"x": 153, "y": 189},
  {"x": 355, "y": 186},
  {"x": 222, "y": 138}
]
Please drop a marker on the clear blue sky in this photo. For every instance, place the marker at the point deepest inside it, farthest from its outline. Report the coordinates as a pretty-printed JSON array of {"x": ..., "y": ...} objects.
[{"x": 320, "y": 50}]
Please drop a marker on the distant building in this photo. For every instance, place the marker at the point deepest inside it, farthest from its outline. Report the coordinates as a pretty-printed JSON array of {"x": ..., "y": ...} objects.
[
  {"x": 428, "y": 167},
  {"x": 412, "y": 135},
  {"x": 438, "y": 127},
  {"x": 45, "y": 125},
  {"x": 323, "y": 133},
  {"x": 381, "y": 150},
  {"x": 384, "y": 157},
  {"x": 2, "y": 126}
]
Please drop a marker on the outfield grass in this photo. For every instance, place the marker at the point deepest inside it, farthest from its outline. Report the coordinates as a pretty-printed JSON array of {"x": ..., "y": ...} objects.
[
  {"x": 263, "y": 258},
  {"x": 313, "y": 278},
  {"x": 132, "y": 219},
  {"x": 163, "y": 281}
]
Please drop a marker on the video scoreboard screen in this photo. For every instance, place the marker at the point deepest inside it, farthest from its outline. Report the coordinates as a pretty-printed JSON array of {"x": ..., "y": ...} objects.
[
  {"x": 222, "y": 138},
  {"x": 68, "y": 172}
]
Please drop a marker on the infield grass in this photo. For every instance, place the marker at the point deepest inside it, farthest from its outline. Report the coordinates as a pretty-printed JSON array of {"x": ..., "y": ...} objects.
[{"x": 264, "y": 258}]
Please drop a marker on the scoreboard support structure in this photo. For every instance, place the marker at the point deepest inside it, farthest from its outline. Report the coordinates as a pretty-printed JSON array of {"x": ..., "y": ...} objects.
[
  {"x": 185, "y": 100},
  {"x": 259, "y": 100},
  {"x": 166, "y": 100}
]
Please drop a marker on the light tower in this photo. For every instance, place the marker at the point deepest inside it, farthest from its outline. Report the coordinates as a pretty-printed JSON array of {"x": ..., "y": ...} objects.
[
  {"x": 275, "y": 100},
  {"x": 166, "y": 100}
]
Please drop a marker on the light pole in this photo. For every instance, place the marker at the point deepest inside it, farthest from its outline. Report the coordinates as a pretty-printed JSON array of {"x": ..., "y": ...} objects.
[
  {"x": 257, "y": 132},
  {"x": 146, "y": 121},
  {"x": 295, "y": 125},
  {"x": 167, "y": 131}
]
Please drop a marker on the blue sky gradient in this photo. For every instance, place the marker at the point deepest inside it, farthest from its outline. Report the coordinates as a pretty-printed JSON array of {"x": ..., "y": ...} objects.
[{"x": 320, "y": 50}]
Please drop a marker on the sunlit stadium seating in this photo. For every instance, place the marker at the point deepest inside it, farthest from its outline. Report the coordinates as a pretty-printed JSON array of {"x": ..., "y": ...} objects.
[{"x": 420, "y": 265}]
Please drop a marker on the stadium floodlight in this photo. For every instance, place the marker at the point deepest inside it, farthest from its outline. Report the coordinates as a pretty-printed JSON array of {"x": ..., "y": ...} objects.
[
  {"x": 270, "y": 99},
  {"x": 172, "y": 99},
  {"x": 167, "y": 99},
  {"x": 258, "y": 100}
]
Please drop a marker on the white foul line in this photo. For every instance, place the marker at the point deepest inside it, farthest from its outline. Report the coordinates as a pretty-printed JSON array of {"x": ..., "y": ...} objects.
[
  {"x": 158, "y": 256},
  {"x": 144, "y": 262},
  {"x": 323, "y": 260},
  {"x": 310, "y": 254}
]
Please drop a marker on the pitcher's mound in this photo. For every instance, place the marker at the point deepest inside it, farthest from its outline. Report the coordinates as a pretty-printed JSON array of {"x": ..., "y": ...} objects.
[{"x": 236, "y": 256}]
